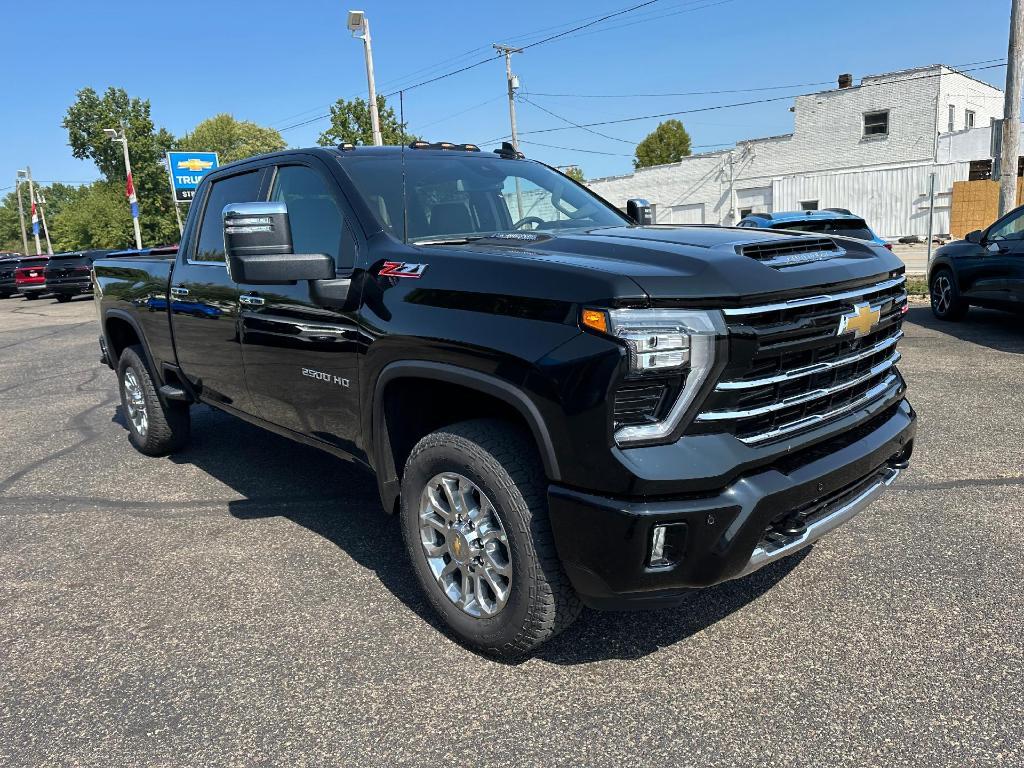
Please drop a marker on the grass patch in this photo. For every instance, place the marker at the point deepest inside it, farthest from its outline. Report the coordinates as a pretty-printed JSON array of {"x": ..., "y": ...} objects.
[{"x": 917, "y": 286}]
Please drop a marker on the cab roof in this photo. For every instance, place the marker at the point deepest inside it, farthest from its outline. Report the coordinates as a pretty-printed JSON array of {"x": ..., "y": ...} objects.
[{"x": 790, "y": 216}]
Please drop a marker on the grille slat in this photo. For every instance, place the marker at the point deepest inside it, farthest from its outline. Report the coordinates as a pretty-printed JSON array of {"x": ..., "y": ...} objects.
[{"x": 796, "y": 372}]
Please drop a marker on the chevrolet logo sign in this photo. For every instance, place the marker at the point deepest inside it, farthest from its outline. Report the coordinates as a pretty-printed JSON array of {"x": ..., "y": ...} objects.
[
  {"x": 194, "y": 164},
  {"x": 861, "y": 321}
]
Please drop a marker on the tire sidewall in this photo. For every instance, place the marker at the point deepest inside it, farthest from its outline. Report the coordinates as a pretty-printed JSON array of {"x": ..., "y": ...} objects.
[
  {"x": 130, "y": 360},
  {"x": 954, "y": 302},
  {"x": 509, "y": 506}
]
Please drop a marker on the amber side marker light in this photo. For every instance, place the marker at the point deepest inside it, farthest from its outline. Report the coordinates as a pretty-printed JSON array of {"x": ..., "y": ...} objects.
[{"x": 595, "y": 319}]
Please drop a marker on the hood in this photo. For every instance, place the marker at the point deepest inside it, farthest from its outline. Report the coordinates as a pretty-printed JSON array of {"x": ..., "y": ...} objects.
[{"x": 697, "y": 262}]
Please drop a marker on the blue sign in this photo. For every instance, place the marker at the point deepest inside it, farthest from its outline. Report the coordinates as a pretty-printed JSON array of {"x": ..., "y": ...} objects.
[{"x": 187, "y": 170}]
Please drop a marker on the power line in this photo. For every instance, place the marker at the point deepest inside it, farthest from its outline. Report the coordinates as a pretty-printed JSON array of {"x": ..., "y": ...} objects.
[{"x": 577, "y": 125}]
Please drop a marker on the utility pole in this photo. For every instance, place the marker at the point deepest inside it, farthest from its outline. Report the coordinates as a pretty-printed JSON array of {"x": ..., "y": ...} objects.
[
  {"x": 513, "y": 85},
  {"x": 21, "y": 212},
  {"x": 46, "y": 229},
  {"x": 32, "y": 202},
  {"x": 121, "y": 136},
  {"x": 1011, "y": 110},
  {"x": 360, "y": 27}
]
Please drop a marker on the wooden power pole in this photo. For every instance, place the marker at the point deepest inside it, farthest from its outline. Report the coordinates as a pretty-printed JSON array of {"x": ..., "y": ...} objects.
[{"x": 1011, "y": 111}]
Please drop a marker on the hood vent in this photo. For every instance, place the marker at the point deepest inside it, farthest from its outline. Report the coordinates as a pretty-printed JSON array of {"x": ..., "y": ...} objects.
[{"x": 792, "y": 252}]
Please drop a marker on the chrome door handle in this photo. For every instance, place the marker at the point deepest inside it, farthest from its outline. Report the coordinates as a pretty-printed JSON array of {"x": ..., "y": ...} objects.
[
  {"x": 176, "y": 291},
  {"x": 252, "y": 301}
]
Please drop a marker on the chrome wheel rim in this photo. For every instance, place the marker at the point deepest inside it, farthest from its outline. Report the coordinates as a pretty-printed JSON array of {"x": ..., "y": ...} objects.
[
  {"x": 465, "y": 545},
  {"x": 135, "y": 401},
  {"x": 942, "y": 294}
]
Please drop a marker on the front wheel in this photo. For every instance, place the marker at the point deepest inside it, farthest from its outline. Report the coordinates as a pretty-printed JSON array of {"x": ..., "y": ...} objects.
[
  {"x": 947, "y": 304},
  {"x": 155, "y": 428},
  {"x": 475, "y": 525}
]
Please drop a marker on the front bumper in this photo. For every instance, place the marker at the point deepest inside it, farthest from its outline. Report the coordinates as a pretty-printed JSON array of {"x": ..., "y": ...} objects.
[{"x": 763, "y": 516}]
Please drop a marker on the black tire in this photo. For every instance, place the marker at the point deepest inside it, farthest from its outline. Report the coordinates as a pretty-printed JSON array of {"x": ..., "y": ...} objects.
[
  {"x": 62, "y": 298},
  {"x": 168, "y": 424},
  {"x": 503, "y": 463},
  {"x": 31, "y": 296},
  {"x": 947, "y": 303}
]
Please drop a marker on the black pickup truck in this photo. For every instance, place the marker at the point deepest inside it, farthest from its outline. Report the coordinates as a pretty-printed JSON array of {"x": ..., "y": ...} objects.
[{"x": 562, "y": 405}]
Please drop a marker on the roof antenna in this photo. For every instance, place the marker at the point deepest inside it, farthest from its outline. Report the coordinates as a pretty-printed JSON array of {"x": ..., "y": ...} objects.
[{"x": 405, "y": 200}]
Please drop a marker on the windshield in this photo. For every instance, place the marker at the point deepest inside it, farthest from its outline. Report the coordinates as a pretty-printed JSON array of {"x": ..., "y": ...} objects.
[
  {"x": 459, "y": 197},
  {"x": 857, "y": 228}
]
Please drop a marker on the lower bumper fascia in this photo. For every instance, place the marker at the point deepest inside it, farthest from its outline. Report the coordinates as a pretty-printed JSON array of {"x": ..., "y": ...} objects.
[{"x": 604, "y": 543}]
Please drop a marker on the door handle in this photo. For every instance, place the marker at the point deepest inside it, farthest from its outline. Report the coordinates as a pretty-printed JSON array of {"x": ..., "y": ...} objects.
[
  {"x": 252, "y": 301},
  {"x": 179, "y": 291}
]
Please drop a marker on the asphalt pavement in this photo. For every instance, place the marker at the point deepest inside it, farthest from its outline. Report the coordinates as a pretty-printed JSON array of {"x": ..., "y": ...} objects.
[{"x": 247, "y": 602}]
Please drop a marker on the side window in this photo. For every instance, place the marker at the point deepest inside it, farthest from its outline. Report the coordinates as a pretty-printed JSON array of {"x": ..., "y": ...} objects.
[
  {"x": 243, "y": 188},
  {"x": 1011, "y": 229},
  {"x": 313, "y": 211}
]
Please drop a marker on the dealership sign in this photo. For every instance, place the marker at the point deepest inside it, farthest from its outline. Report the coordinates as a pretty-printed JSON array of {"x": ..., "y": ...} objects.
[{"x": 187, "y": 170}]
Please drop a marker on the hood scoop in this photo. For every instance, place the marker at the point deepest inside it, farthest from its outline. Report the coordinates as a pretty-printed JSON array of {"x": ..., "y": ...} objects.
[{"x": 792, "y": 252}]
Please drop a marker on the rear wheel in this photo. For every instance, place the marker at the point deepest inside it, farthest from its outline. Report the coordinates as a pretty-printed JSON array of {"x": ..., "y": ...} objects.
[
  {"x": 155, "y": 428},
  {"x": 31, "y": 296},
  {"x": 947, "y": 304},
  {"x": 475, "y": 525},
  {"x": 63, "y": 298}
]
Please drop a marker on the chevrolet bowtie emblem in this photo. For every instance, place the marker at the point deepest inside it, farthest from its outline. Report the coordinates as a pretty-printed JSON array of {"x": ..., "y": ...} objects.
[
  {"x": 860, "y": 321},
  {"x": 194, "y": 164}
]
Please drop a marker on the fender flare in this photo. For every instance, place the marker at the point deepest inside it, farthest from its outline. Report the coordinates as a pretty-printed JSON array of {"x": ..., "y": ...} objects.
[
  {"x": 120, "y": 314},
  {"x": 487, "y": 384}
]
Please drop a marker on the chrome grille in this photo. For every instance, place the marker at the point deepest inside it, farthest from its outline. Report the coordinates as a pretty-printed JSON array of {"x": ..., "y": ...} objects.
[{"x": 790, "y": 370}]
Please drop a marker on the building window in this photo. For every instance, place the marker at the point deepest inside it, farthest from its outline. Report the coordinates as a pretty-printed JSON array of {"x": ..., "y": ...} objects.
[
  {"x": 952, "y": 118},
  {"x": 744, "y": 212},
  {"x": 876, "y": 123},
  {"x": 808, "y": 205},
  {"x": 969, "y": 119}
]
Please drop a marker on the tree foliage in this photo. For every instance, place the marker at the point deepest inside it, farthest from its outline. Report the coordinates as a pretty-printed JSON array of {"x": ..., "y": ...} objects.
[
  {"x": 351, "y": 124},
  {"x": 575, "y": 173},
  {"x": 231, "y": 139},
  {"x": 668, "y": 143}
]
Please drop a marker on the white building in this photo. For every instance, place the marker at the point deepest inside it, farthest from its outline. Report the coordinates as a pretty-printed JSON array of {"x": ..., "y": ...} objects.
[{"x": 868, "y": 147}]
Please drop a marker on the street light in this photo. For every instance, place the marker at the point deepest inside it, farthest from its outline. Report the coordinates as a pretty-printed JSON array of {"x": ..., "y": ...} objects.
[
  {"x": 359, "y": 25},
  {"x": 119, "y": 136},
  {"x": 26, "y": 175},
  {"x": 18, "y": 178}
]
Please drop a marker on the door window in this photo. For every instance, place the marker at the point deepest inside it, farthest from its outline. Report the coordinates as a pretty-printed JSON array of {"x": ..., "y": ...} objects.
[
  {"x": 314, "y": 212},
  {"x": 243, "y": 188},
  {"x": 1011, "y": 229}
]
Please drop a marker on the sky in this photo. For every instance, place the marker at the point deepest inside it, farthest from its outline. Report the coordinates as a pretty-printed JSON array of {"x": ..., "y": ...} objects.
[{"x": 283, "y": 64}]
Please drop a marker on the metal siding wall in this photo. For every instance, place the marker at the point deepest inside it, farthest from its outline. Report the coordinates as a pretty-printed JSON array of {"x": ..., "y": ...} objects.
[{"x": 894, "y": 201}]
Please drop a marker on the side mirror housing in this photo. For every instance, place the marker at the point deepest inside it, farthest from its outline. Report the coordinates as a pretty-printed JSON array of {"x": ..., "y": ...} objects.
[
  {"x": 976, "y": 237},
  {"x": 258, "y": 247},
  {"x": 639, "y": 210}
]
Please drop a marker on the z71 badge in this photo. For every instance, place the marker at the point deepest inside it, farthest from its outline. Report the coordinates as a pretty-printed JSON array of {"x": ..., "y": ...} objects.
[{"x": 402, "y": 269}]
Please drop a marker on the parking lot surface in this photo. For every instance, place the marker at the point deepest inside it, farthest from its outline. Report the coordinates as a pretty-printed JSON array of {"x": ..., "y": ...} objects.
[{"x": 248, "y": 603}]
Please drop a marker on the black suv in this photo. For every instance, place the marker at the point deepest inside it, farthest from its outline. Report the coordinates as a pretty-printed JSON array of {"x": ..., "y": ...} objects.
[
  {"x": 985, "y": 269},
  {"x": 69, "y": 274},
  {"x": 563, "y": 406},
  {"x": 8, "y": 263}
]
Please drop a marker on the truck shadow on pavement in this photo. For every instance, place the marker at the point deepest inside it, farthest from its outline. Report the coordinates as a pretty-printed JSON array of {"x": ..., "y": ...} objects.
[
  {"x": 279, "y": 478},
  {"x": 1001, "y": 331}
]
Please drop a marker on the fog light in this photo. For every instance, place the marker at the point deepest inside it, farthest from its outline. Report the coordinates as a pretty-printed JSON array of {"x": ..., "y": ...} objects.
[{"x": 667, "y": 543}]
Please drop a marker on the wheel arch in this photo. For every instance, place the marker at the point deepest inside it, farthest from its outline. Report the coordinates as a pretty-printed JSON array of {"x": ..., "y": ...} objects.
[
  {"x": 478, "y": 394},
  {"x": 122, "y": 331}
]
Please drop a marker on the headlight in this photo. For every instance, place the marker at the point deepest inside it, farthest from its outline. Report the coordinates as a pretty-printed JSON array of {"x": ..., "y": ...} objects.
[{"x": 663, "y": 342}]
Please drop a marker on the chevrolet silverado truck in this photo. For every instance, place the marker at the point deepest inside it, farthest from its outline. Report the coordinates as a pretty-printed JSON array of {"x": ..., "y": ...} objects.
[{"x": 563, "y": 406}]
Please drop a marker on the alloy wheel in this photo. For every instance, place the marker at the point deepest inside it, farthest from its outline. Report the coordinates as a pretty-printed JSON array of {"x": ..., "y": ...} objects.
[
  {"x": 465, "y": 544},
  {"x": 942, "y": 294},
  {"x": 135, "y": 399}
]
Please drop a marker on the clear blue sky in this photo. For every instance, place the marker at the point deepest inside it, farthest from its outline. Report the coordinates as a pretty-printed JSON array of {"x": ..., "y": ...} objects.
[{"x": 279, "y": 63}]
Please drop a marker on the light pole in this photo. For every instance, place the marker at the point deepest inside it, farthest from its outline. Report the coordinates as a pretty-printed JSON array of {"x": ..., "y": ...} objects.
[
  {"x": 42, "y": 215},
  {"x": 27, "y": 174},
  {"x": 115, "y": 135},
  {"x": 19, "y": 176},
  {"x": 359, "y": 25}
]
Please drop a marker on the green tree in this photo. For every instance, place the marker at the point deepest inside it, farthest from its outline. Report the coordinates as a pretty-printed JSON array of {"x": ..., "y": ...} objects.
[
  {"x": 85, "y": 121},
  {"x": 668, "y": 143},
  {"x": 231, "y": 139},
  {"x": 96, "y": 216},
  {"x": 575, "y": 173},
  {"x": 350, "y": 124}
]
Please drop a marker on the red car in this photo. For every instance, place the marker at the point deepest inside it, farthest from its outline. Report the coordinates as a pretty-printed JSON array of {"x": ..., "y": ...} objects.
[{"x": 30, "y": 277}]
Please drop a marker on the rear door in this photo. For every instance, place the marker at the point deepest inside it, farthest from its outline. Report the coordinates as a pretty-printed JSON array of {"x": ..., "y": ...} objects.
[
  {"x": 999, "y": 274},
  {"x": 300, "y": 356},
  {"x": 204, "y": 299}
]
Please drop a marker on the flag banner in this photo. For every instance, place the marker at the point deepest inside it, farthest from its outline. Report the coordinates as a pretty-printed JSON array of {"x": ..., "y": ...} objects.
[
  {"x": 35, "y": 219},
  {"x": 129, "y": 190}
]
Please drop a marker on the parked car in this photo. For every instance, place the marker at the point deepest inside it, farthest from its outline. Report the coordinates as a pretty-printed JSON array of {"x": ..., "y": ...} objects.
[
  {"x": 985, "y": 269},
  {"x": 30, "y": 277},
  {"x": 69, "y": 274},
  {"x": 828, "y": 221},
  {"x": 8, "y": 265},
  {"x": 563, "y": 407}
]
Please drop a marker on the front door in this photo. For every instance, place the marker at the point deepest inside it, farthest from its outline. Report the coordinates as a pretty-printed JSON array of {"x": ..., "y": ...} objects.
[
  {"x": 204, "y": 299},
  {"x": 301, "y": 356}
]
